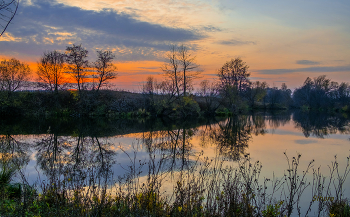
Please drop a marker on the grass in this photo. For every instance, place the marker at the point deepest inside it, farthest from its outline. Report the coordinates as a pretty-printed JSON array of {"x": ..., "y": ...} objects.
[{"x": 205, "y": 188}]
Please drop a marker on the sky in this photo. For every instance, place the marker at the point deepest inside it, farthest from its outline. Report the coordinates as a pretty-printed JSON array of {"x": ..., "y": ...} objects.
[{"x": 281, "y": 41}]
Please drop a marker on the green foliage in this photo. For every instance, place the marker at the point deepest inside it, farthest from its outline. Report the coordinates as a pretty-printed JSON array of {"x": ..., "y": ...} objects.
[
  {"x": 223, "y": 112},
  {"x": 188, "y": 107},
  {"x": 6, "y": 174},
  {"x": 339, "y": 208},
  {"x": 345, "y": 108},
  {"x": 305, "y": 108},
  {"x": 272, "y": 210}
]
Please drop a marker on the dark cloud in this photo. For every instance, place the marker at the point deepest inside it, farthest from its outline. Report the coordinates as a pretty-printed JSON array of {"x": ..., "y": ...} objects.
[
  {"x": 284, "y": 132},
  {"x": 31, "y": 50},
  {"x": 211, "y": 28},
  {"x": 309, "y": 69},
  {"x": 305, "y": 141},
  {"x": 138, "y": 73},
  {"x": 258, "y": 78},
  {"x": 149, "y": 67},
  {"x": 307, "y": 62},
  {"x": 234, "y": 42},
  {"x": 211, "y": 74},
  {"x": 105, "y": 21},
  {"x": 43, "y": 23}
]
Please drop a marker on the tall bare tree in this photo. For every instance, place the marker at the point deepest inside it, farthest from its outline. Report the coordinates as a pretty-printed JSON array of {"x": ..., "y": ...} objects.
[
  {"x": 105, "y": 69},
  {"x": 8, "y": 9},
  {"x": 188, "y": 66},
  {"x": 150, "y": 86},
  {"x": 181, "y": 68},
  {"x": 171, "y": 69},
  {"x": 51, "y": 70},
  {"x": 13, "y": 74},
  {"x": 76, "y": 57},
  {"x": 210, "y": 91}
]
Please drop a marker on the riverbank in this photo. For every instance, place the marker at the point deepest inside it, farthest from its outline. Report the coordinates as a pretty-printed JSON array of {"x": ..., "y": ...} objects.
[{"x": 123, "y": 105}]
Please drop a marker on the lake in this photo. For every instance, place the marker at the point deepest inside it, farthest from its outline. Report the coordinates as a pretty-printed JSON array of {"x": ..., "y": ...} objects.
[{"x": 114, "y": 151}]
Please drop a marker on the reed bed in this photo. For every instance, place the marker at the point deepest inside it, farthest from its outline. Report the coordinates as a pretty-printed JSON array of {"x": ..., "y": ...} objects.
[{"x": 204, "y": 188}]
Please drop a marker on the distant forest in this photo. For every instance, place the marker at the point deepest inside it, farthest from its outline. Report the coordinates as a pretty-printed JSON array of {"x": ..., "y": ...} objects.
[{"x": 69, "y": 85}]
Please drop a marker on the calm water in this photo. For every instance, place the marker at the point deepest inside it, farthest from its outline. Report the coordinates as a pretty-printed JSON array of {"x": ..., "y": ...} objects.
[{"x": 46, "y": 149}]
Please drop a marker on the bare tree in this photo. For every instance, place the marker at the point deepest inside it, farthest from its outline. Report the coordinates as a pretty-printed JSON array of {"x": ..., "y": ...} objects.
[
  {"x": 105, "y": 70},
  {"x": 8, "y": 9},
  {"x": 188, "y": 66},
  {"x": 171, "y": 69},
  {"x": 13, "y": 75},
  {"x": 51, "y": 70},
  {"x": 150, "y": 86},
  {"x": 181, "y": 68},
  {"x": 76, "y": 57},
  {"x": 210, "y": 91}
]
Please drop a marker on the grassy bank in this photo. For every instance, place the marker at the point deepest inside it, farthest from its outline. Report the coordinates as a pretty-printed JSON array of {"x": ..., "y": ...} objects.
[{"x": 207, "y": 188}]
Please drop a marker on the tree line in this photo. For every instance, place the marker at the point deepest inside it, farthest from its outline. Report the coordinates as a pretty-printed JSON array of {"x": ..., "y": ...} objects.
[
  {"x": 55, "y": 68},
  {"x": 231, "y": 93}
]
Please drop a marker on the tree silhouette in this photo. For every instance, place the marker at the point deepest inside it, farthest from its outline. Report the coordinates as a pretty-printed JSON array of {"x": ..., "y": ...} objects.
[
  {"x": 8, "y": 9},
  {"x": 105, "y": 70},
  {"x": 51, "y": 69},
  {"x": 76, "y": 57}
]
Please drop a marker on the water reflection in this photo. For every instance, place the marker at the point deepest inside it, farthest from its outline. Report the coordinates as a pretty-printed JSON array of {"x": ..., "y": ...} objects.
[
  {"x": 88, "y": 148},
  {"x": 175, "y": 146},
  {"x": 77, "y": 156},
  {"x": 15, "y": 151},
  {"x": 232, "y": 136},
  {"x": 321, "y": 125}
]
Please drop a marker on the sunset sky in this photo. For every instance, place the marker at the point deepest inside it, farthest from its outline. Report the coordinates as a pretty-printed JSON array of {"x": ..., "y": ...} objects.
[{"x": 281, "y": 41}]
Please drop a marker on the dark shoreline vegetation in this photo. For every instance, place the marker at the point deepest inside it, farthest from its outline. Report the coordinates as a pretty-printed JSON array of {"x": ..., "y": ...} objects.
[
  {"x": 127, "y": 105},
  {"x": 78, "y": 177}
]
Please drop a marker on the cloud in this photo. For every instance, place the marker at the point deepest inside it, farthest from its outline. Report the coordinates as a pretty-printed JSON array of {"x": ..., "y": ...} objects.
[
  {"x": 234, "y": 42},
  {"x": 307, "y": 62},
  {"x": 211, "y": 28},
  {"x": 138, "y": 73},
  {"x": 259, "y": 78},
  {"x": 309, "y": 69},
  {"x": 148, "y": 67},
  {"x": 105, "y": 21},
  {"x": 305, "y": 141},
  {"x": 44, "y": 22}
]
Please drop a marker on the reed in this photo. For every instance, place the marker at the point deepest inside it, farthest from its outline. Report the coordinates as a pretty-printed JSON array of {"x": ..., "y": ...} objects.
[{"x": 203, "y": 188}]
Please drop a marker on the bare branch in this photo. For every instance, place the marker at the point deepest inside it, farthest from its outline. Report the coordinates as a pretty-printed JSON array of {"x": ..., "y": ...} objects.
[{"x": 8, "y": 10}]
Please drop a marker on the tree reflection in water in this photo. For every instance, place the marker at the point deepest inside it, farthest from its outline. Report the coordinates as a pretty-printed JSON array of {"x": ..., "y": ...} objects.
[
  {"x": 87, "y": 154},
  {"x": 80, "y": 159},
  {"x": 320, "y": 124},
  {"x": 14, "y": 151},
  {"x": 174, "y": 145},
  {"x": 233, "y": 135}
]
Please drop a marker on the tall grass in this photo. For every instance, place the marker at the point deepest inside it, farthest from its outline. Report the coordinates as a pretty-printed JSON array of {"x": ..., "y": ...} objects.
[{"x": 204, "y": 188}]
